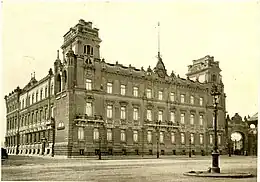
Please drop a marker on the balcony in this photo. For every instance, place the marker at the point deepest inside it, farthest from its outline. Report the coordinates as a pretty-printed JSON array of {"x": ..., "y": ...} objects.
[{"x": 81, "y": 119}]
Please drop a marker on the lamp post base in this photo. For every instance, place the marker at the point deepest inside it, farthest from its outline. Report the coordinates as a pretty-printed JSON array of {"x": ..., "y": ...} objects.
[
  {"x": 215, "y": 170},
  {"x": 157, "y": 155},
  {"x": 215, "y": 167}
]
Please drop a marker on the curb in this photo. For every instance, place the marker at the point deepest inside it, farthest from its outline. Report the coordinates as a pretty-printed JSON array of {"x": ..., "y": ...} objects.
[{"x": 217, "y": 175}]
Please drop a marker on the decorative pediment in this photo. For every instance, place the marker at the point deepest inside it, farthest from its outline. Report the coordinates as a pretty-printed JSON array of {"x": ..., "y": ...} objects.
[{"x": 160, "y": 68}]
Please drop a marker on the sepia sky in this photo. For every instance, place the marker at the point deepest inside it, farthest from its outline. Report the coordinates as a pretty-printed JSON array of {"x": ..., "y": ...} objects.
[{"x": 32, "y": 33}]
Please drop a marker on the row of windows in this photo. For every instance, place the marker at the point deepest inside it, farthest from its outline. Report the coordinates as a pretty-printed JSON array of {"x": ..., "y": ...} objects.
[
  {"x": 148, "y": 92},
  {"x": 35, "y": 97},
  {"x": 27, "y": 138},
  {"x": 32, "y": 117},
  {"x": 96, "y": 136},
  {"x": 148, "y": 114}
]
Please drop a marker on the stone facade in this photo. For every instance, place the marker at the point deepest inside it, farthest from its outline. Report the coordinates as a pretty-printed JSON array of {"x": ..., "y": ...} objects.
[{"x": 92, "y": 105}]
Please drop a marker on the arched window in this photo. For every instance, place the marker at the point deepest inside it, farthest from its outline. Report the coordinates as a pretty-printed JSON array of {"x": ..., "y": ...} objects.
[
  {"x": 46, "y": 92},
  {"x": 65, "y": 76},
  {"x": 58, "y": 83},
  {"x": 41, "y": 94},
  {"x": 51, "y": 88},
  {"x": 214, "y": 78},
  {"x": 36, "y": 97}
]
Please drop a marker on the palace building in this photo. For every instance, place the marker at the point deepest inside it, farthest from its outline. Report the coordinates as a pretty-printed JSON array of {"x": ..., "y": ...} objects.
[{"x": 85, "y": 105}]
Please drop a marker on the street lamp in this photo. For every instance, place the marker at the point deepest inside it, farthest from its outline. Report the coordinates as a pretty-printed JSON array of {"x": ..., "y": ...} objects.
[
  {"x": 158, "y": 123},
  {"x": 100, "y": 137},
  {"x": 190, "y": 147},
  {"x": 215, "y": 154}
]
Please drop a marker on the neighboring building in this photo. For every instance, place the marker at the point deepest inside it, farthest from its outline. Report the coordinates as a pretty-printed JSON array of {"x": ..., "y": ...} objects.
[
  {"x": 87, "y": 104},
  {"x": 246, "y": 142}
]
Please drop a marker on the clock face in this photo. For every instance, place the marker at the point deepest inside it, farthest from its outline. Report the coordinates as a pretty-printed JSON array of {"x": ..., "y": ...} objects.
[{"x": 202, "y": 78}]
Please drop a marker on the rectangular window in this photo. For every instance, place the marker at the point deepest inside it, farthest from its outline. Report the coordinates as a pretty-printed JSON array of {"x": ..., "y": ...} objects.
[
  {"x": 36, "y": 97},
  {"x": 219, "y": 139},
  {"x": 46, "y": 113},
  {"x": 160, "y": 115},
  {"x": 36, "y": 116},
  {"x": 182, "y": 138},
  {"x": 149, "y": 136},
  {"x": 210, "y": 139},
  {"x": 109, "y": 88},
  {"x": 52, "y": 111},
  {"x": 92, "y": 50},
  {"x": 172, "y": 97},
  {"x": 182, "y": 98},
  {"x": 85, "y": 49},
  {"x": 109, "y": 112},
  {"x": 148, "y": 93},
  {"x": 213, "y": 121},
  {"x": 46, "y": 92},
  {"x": 160, "y": 95},
  {"x": 135, "y": 114},
  {"x": 52, "y": 89},
  {"x": 135, "y": 136},
  {"x": 32, "y": 98},
  {"x": 81, "y": 133},
  {"x": 149, "y": 115},
  {"x": 191, "y": 99},
  {"x": 109, "y": 134},
  {"x": 201, "y": 120},
  {"x": 122, "y": 135},
  {"x": 89, "y": 108},
  {"x": 201, "y": 101},
  {"x": 89, "y": 84},
  {"x": 182, "y": 118},
  {"x": 201, "y": 138},
  {"x": 192, "y": 119},
  {"x": 122, "y": 89},
  {"x": 41, "y": 94},
  {"x": 96, "y": 134},
  {"x": 161, "y": 137},
  {"x": 173, "y": 137},
  {"x": 192, "y": 138},
  {"x": 123, "y": 112},
  {"x": 88, "y": 49},
  {"x": 136, "y": 91},
  {"x": 172, "y": 117}
]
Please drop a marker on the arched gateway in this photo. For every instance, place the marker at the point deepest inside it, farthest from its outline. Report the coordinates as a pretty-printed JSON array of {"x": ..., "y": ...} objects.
[{"x": 238, "y": 131}]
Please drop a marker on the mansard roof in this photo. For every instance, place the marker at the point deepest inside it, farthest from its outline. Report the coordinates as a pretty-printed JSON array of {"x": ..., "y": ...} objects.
[{"x": 150, "y": 74}]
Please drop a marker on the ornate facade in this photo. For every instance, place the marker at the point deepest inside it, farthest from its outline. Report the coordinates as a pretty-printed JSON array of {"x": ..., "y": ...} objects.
[{"x": 87, "y": 104}]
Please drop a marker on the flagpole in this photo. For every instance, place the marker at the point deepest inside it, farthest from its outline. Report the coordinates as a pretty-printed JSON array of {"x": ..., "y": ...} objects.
[{"x": 158, "y": 39}]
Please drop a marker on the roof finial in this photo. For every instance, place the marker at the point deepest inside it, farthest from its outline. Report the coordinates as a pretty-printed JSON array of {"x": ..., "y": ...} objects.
[
  {"x": 57, "y": 54},
  {"x": 34, "y": 74},
  {"x": 31, "y": 75}
]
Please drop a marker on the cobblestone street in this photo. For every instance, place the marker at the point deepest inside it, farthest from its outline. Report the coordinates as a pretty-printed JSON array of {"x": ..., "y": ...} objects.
[{"x": 123, "y": 169}]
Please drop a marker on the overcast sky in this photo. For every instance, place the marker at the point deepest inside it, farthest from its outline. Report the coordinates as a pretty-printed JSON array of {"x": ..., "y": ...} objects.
[{"x": 32, "y": 33}]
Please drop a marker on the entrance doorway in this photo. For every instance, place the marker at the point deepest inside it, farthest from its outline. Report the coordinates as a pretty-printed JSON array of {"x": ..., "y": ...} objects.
[{"x": 237, "y": 143}]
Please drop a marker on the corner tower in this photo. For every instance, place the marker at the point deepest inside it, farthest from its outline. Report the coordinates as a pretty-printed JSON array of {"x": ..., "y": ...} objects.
[
  {"x": 205, "y": 70},
  {"x": 83, "y": 39}
]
